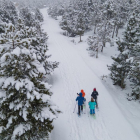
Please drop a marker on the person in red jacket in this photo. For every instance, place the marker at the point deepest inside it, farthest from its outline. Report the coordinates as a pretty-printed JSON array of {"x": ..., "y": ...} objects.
[{"x": 83, "y": 93}]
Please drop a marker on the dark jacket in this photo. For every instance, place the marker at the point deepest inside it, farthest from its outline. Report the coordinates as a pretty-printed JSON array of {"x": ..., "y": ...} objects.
[
  {"x": 80, "y": 99},
  {"x": 94, "y": 94}
]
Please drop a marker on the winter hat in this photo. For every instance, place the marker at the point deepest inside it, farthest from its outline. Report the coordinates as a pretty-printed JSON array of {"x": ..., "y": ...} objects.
[{"x": 94, "y": 89}]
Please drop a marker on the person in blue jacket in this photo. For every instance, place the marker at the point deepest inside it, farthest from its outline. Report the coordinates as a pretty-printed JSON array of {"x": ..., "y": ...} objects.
[
  {"x": 92, "y": 105},
  {"x": 80, "y": 100}
]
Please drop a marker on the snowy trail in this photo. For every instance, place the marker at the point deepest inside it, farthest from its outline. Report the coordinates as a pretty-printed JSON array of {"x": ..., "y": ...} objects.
[{"x": 72, "y": 75}]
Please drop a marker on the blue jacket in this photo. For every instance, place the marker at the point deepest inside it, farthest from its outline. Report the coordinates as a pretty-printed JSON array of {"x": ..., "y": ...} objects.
[
  {"x": 80, "y": 99},
  {"x": 92, "y": 105}
]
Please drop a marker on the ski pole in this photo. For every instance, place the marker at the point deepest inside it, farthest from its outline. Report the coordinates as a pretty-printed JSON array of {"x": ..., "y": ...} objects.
[{"x": 74, "y": 108}]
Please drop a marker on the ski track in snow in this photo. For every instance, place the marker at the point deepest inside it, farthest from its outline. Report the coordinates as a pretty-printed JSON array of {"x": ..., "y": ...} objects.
[{"x": 72, "y": 75}]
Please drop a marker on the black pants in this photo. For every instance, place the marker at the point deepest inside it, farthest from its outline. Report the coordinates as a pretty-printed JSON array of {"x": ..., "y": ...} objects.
[
  {"x": 96, "y": 103},
  {"x": 80, "y": 107}
]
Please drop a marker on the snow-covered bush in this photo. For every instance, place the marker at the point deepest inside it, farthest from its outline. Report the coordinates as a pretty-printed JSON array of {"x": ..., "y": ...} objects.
[{"x": 94, "y": 45}]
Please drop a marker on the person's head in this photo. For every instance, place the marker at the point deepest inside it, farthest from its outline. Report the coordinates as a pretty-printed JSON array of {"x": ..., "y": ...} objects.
[
  {"x": 92, "y": 100},
  {"x": 94, "y": 89},
  {"x": 80, "y": 94}
]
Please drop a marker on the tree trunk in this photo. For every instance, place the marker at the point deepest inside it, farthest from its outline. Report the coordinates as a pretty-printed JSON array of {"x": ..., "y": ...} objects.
[
  {"x": 97, "y": 53},
  {"x": 122, "y": 83},
  {"x": 95, "y": 29},
  {"x": 114, "y": 31},
  {"x": 80, "y": 38},
  {"x": 117, "y": 30},
  {"x": 102, "y": 49},
  {"x": 103, "y": 46},
  {"x": 122, "y": 79},
  {"x": 13, "y": 44}
]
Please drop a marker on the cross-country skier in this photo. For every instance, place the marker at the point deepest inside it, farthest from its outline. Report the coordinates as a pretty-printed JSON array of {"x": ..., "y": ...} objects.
[
  {"x": 92, "y": 106},
  {"x": 94, "y": 95},
  {"x": 83, "y": 93},
  {"x": 80, "y": 100}
]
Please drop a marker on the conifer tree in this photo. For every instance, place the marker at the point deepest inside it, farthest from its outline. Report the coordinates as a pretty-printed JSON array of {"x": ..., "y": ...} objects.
[
  {"x": 27, "y": 16},
  {"x": 80, "y": 27},
  {"x": 53, "y": 11},
  {"x": 94, "y": 45},
  {"x": 95, "y": 14},
  {"x": 8, "y": 12},
  {"x": 38, "y": 15},
  {"x": 64, "y": 24},
  {"x": 120, "y": 68},
  {"x": 104, "y": 30},
  {"x": 134, "y": 76},
  {"x": 26, "y": 110},
  {"x": 2, "y": 30},
  {"x": 132, "y": 33}
]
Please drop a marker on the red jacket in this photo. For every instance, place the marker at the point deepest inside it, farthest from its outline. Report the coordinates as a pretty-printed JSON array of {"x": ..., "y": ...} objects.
[{"x": 83, "y": 93}]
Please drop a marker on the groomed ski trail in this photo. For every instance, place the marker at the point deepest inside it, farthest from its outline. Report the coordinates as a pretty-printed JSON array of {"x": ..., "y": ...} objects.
[{"x": 70, "y": 77}]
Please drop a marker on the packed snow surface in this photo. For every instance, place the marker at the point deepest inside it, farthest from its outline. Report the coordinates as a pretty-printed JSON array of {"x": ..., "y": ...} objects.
[{"x": 76, "y": 71}]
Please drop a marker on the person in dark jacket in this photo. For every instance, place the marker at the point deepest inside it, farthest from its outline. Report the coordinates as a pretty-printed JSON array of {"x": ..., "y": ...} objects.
[
  {"x": 80, "y": 100},
  {"x": 94, "y": 95}
]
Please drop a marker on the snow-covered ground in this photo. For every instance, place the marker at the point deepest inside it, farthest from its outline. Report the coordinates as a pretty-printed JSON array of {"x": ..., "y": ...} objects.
[{"x": 117, "y": 119}]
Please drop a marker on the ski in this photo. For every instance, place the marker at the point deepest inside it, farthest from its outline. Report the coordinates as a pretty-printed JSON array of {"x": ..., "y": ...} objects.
[
  {"x": 79, "y": 115},
  {"x": 93, "y": 116},
  {"x": 84, "y": 107}
]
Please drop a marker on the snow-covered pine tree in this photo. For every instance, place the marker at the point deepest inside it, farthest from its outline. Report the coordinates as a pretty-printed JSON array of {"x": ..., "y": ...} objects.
[
  {"x": 132, "y": 37},
  {"x": 38, "y": 15},
  {"x": 8, "y": 12},
  {"x": 134, "y": 76},
  {"x": 121, "y": 16},
  {"x": 87, "y": 15},
  {"x": 95, "y": 14},
  {"x": 94, "y": 45},
  {"x": 104, "y": 29},
  {"x": 64, "y": 24},
  {"x": 120, "y": 68},
  {"x": 40, "y": 48},
  {"x": 72, "y": 13},
  {"x": 53, "y": 11},
  {"x": 77, "y": 18},
  {"x": 68, "y": 21},
  {"x": 2, "y": 30},
  {"x": 26, "y": 110},
  {"x": 80, "y": 26},
  {"x": 27, "y": 16},
  {"x": 132, "y": 33},
  {"x": 61, "y": 8}
]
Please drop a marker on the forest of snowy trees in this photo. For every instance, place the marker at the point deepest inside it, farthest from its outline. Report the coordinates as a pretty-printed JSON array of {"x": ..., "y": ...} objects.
[
  {"x": 105, "y": 18},
  {"x": 26, "y": 109}
]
